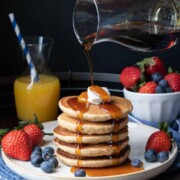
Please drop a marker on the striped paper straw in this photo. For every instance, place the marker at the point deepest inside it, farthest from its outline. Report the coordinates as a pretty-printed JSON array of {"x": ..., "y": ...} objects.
[{"x": 33, "y": 72}]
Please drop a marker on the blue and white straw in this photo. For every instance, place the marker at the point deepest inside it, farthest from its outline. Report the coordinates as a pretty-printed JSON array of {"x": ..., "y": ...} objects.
[{"x": 33, "y": 72}]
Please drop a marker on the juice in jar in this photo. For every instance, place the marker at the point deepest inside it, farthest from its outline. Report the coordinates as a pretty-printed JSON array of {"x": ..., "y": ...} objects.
[{"x": 41, "y": 99}]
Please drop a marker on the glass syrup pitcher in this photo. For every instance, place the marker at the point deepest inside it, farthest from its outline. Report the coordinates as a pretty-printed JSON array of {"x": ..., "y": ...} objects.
[{"x": 146, "y": 26}]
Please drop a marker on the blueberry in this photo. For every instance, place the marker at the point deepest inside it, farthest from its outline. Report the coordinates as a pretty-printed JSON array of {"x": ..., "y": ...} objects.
[
  {"x": 150, "y": 155},
  {"x": 54, "y": 161},
  {"x": 168, "y": 90},
  {"x": 162, "y": 156},
  {"x": 36, "y": 160},
  {"x": 35, "y": 153},
  {"x": 38, "y": 149},
  {"x": 47, "y": 153},
  {"x": 159, "y": 89},
  {"x": 156, "y": 77},
  {"x": 80, "y": 173},
  {"x": 46, "y": 156},
  {"x": 46, "y": 166},
  {"x": 163, "y": 83},
  {"x": 48, "y": 149},
  {"x": 136, "y": 163}
]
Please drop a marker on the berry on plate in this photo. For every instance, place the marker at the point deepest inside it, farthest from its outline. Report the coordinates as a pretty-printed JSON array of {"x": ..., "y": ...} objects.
[
  {"x": 159, "y": 140},
  {"x": 35, "y": 133},
  {"x": 136, "y": 163},
  {"x": 47, "y": 153},
  {"x": 162, "y": 156},
  {"x": 17, "y": 144},
  {"x": 130, "y": 77},
  {"x": 54, "y": 161},
  {"x": 47, "y": 166},
  {"x": 150, "y": 155},
  {"x": 80, "y": 173},
  {"x": 36, "y": 160}
]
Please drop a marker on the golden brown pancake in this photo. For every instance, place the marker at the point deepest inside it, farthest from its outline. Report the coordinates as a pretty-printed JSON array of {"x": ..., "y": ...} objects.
[
  {"x": 72, "y": 137},
  {"x": 103, "y": 149},
  {"x": 94, "y": 113},
  {"x": 93, "y": 162},
  {"x": 89, "y": 127}
]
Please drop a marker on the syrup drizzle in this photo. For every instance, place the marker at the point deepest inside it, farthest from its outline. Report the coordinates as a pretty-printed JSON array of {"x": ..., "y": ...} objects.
[
  {"x": 86, "y": 52},
  {"x": 100, "y": 92},
  {"x": 112, "y": 109},
  {"x": 79, "y": 126},
  {"x": 81, "y": 105},
  {"x": 122, "y": 169},
  {"x": 115, "y": 126}
]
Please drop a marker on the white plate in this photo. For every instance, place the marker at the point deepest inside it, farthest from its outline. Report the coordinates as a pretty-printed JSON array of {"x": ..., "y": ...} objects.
[{"x": 138, "y": 135}]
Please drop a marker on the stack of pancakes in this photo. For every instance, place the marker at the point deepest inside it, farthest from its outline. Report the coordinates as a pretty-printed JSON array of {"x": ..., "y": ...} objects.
[{"x": 92, "y": 139}]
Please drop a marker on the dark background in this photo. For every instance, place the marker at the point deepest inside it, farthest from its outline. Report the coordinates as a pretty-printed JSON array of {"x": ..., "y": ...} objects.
[{"x": 54, "y": 18}]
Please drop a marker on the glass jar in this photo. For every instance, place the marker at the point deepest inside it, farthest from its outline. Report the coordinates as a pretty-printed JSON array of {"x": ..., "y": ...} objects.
[{"x": 38, "y": 98}]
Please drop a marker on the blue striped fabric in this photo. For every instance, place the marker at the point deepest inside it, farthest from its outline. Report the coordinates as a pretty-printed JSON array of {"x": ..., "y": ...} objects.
[{"x": 6, "y": 173}]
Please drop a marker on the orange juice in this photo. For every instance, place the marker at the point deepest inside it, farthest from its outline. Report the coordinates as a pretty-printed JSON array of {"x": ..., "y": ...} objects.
[{"x": 41, "y": 99}]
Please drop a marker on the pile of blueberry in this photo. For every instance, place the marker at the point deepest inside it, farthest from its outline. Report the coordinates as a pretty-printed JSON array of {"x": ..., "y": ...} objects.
[
  {"x": 44, "y": 158},
  {"x": 162, "y": 84},
  {"x": 152, "y": 156}
]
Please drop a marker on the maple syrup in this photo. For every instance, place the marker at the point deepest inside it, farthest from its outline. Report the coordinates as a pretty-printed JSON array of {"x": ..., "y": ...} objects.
[
  {"x": 81, "y": 105},
  {"x": 101, "y": 93},
  {"x": 112, "y": 109},
  {"x": 79, "y": 126},
  {"x": 115, "y": 125},
  {"x": 86, "y": 52},
  {"x": 124, "y": 168}
]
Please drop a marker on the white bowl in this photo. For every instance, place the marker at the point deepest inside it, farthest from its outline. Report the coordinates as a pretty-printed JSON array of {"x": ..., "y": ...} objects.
[{"x": 154, "y": 107}]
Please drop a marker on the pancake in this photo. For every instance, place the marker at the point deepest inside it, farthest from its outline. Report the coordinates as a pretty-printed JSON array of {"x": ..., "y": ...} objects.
[
  {"x": 94, "y": 113},
  {"x": 104, "y": 149},
  {"x": 96, "y": 162},
  {"x": 72, "y": 137},
  {"x": 88, "y": 127}
]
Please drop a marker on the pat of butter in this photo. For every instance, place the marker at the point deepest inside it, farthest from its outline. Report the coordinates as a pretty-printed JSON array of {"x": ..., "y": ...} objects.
[{"x": 94, "y": 98}]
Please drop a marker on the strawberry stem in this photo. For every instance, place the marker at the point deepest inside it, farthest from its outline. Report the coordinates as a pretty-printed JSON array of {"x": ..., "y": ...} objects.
[{"x": 163, "y": 126}]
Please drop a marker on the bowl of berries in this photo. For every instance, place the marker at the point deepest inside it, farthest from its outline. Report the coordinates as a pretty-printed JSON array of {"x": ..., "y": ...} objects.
[{"x": 153, "y": 90}]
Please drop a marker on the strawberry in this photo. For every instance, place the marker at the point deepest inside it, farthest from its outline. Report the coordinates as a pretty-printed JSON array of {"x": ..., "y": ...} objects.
[
  {"x": 148, "y": 87},
  {"x": 130, "y": 77},
  {"x": 160, "y": 140},
  {"x": 173, "y": 80},
  {"x": 35, "y": 133},
  {"x": 152, "y": 65},
  {"x": 17, "y": 144}
]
